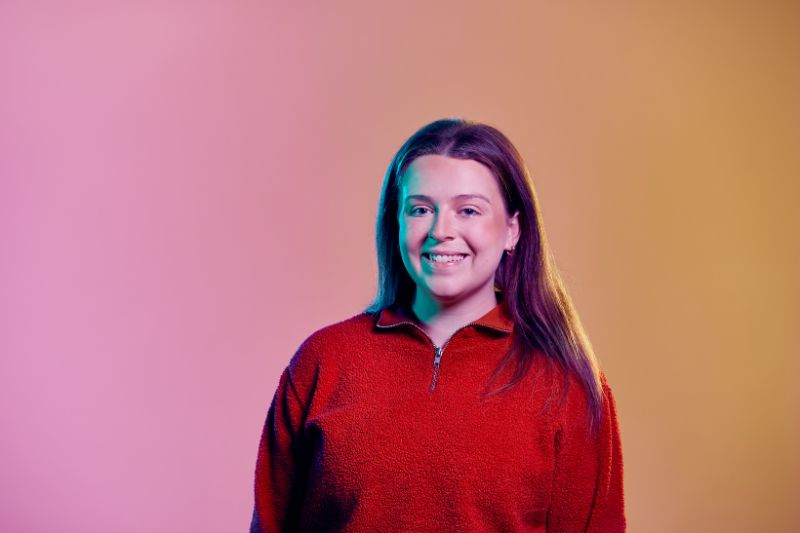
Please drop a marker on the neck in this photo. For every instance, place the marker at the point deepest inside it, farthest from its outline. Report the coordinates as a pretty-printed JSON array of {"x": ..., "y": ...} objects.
[{"x": 442, "y": 319}]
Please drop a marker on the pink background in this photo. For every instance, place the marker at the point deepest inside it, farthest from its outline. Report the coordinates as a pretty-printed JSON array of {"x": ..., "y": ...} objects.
[{"x": 189, "y": 189}]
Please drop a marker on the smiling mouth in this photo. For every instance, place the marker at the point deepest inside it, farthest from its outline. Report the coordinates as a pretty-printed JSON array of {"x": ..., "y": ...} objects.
[{"x": 442, "y": 260}]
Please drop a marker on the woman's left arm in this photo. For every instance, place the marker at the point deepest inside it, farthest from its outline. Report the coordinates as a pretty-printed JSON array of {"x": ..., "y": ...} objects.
[{"x": 588, "y": 482}]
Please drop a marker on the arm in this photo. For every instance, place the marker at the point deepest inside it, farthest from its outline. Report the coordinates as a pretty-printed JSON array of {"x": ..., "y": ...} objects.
[
  {"x": 280, "y": 476},
  {"x": 587, "y": 483}
]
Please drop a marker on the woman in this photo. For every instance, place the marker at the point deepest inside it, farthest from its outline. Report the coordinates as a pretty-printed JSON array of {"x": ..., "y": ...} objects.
[{"x": 386, "y": 422}]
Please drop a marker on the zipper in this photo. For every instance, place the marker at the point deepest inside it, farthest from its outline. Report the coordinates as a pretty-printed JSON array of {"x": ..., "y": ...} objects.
[
  {"x": 437, "y": 354},
  {"x": 436, "y": 358}
]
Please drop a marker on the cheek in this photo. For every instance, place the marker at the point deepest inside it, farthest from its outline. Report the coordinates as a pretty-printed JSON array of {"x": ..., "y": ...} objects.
[
  {"x": 486, "y": 238},
  {"x": 412, "y": 235}
]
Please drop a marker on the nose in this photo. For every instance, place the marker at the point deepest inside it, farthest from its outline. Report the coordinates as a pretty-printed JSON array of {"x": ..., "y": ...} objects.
[{"x": 441, "y": 229}]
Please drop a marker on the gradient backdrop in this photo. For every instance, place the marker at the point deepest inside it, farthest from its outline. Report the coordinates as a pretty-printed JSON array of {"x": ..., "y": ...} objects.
[{"x": 189, "y": 189}]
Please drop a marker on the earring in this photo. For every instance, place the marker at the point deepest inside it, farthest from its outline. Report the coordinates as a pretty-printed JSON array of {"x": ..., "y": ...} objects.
[{"x": 510, "y": 251}]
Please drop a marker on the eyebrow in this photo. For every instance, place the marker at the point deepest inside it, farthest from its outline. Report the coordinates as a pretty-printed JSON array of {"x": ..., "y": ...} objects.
[{"x": 426, "y": 198}]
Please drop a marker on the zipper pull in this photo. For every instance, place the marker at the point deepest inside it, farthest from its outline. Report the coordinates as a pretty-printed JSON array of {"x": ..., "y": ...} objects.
[{"x": 436, "y": 359}]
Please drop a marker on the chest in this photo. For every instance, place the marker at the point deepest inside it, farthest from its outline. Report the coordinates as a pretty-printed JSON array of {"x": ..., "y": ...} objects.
[{"x": 383, "y": 435}]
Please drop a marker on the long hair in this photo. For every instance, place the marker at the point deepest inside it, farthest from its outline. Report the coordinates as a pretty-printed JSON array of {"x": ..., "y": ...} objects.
[{"x": 545, "y": 320}]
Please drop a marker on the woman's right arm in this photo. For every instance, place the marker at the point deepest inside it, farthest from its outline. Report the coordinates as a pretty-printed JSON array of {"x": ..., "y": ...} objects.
[{"x": 280, "y": 477}]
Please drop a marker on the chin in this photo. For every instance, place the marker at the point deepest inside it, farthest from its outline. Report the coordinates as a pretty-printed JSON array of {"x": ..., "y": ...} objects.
[{"x": 445, "y": 294}]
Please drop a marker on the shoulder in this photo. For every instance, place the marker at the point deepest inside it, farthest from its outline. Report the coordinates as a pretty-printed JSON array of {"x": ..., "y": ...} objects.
[
  {"x": 347, "y": 331},
  {"x": 577, "y": 389},
  {"x": 328, "y": 341},
  {"x": 581, "y": 397}
]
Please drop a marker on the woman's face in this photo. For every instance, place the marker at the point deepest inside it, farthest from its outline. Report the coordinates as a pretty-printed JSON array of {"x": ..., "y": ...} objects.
[{"x": 453, "y": 207}]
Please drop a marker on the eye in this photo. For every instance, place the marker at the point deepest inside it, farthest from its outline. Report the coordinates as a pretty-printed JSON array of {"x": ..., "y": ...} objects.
[
  {"x": 416, "y": 210},
  {"x": 470, "y": 211}
]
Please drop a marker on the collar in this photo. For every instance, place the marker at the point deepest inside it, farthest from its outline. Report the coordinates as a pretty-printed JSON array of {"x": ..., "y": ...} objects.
[{"x": 497, "y": 318}]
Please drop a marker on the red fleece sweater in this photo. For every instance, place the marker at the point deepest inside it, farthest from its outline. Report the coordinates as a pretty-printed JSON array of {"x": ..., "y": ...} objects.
[{"x": 361, "y": 437}]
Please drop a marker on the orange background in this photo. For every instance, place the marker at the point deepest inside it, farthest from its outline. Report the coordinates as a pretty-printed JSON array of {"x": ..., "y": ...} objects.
[{"x": 189, "y": 189}]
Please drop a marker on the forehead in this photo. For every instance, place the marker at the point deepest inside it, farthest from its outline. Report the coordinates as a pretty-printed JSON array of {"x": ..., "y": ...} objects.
[{"x": 442, "y": 177}]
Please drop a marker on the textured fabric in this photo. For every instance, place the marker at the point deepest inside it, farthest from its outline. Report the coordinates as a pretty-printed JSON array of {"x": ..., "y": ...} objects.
[{"x": 357, "y": 438}]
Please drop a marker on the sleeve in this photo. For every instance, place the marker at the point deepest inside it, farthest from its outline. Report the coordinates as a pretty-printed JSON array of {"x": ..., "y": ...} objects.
[
  {"x": 587, "y": 491},
  {"x": 281, "y": 471}
]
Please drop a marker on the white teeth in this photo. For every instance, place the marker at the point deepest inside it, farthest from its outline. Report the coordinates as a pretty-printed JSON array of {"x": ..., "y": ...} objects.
[{"x": 446, "y": 258}]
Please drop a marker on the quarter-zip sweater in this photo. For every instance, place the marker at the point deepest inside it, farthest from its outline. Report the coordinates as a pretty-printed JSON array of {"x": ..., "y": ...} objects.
[{"x": 374, "y": 428}]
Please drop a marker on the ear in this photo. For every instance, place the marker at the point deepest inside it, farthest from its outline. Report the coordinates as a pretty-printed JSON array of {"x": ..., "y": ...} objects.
[{"x": 513, "y": 231}]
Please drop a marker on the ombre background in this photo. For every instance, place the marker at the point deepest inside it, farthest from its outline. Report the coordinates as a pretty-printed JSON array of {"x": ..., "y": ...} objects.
[{"x": 189, "y": 189}]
